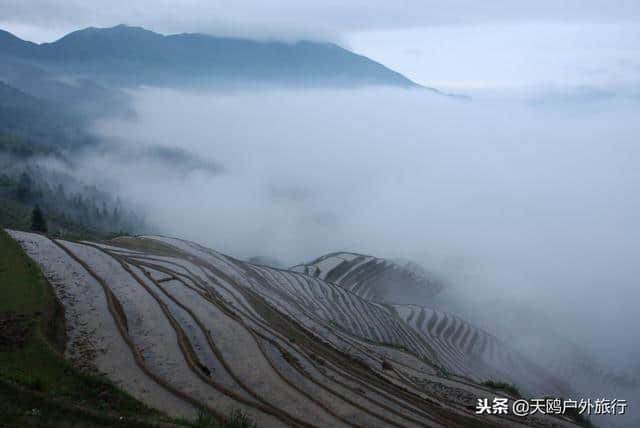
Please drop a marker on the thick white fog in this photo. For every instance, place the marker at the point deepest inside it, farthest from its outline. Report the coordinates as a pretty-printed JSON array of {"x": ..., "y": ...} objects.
[{"x": 517, "y": 204}]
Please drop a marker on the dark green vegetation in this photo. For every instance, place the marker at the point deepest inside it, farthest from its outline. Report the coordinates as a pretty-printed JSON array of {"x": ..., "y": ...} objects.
[
  {"x": 442, "y": 371},
  {"x": 237, "y": 419},
  {"x": 129, "y": 56},
  {"x": 503, "y": 386},
  {"x": 70, "y": 209},
  {"x": 38, "y": 388},
  {"x": 38, "y": 222}
]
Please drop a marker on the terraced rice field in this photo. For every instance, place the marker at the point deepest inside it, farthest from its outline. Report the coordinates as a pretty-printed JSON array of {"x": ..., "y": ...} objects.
[
  {"x": 369, "y": 277},
  {"x": 182, "y": 327},
  {"x": 458, "y": 346},
  {"x": 462, "y": 348}
]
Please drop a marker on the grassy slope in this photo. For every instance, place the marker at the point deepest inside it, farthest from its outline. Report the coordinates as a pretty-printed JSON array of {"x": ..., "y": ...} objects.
[{"x": 14, "y": 214}]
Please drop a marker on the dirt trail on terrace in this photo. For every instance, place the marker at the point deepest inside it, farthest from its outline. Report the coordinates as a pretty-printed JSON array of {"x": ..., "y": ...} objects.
[{"x": 182, "y": 327}]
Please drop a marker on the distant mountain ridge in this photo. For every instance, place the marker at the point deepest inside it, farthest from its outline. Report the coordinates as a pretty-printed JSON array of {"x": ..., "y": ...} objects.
[{"x": 129, "y": 56}]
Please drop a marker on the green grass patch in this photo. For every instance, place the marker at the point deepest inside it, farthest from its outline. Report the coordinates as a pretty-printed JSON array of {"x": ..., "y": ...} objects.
[
  {"x": 13, "y": 214},
  {"x": 22, "y": 288},
  {"x": 442, "y": 371},
  {"x": 237, "y": 419}
]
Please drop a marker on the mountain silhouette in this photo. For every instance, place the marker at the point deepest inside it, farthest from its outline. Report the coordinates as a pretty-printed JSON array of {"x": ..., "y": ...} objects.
[{"x": 129, "y": 56}]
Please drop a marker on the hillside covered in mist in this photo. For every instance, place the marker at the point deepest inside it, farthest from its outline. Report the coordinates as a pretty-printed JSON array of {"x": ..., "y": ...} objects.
[{"x": 388, "y": 254}]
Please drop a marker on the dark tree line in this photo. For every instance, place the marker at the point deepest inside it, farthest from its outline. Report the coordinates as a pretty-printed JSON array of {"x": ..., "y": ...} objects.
[{"x": 70, "y": 206}]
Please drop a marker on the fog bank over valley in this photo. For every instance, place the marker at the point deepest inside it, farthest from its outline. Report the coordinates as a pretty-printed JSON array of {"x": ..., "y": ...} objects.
[{"x": 522, "y": 207}]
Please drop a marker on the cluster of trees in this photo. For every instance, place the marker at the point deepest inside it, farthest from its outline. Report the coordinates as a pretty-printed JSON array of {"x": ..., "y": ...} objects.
[{"x": 69, "y": 208}]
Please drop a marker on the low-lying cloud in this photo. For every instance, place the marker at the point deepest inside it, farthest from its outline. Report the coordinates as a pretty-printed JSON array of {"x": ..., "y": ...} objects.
[{"x": 534, "y": 204}]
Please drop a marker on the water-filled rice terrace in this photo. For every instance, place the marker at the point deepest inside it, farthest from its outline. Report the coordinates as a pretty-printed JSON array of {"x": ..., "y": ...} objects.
[{"x": 182, "y": 327}]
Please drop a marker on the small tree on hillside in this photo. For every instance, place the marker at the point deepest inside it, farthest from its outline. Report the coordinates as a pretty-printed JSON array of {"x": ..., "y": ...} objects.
[
  {"x": 38, "y": 222},
  {"x": 24, "y": 191}
]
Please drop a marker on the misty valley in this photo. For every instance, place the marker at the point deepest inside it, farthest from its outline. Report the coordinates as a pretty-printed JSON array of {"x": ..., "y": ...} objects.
[{"x": 223, "y": 231}]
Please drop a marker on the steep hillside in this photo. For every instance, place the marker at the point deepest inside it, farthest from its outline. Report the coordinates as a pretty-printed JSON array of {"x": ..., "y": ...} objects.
[
  {"x": 133, "y": 56},
  {"x": 180, "y": 327}
]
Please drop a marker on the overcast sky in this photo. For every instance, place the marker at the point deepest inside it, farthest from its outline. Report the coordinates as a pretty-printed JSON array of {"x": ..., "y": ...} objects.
[{"x": 460, "y": 45}]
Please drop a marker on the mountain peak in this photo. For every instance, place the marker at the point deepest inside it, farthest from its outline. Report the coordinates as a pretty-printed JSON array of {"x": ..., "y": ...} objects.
[
  {"x": 130, "y": 56},
  {"x": 121, "y": 32},
  {"x": 13, "y": 45}
]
